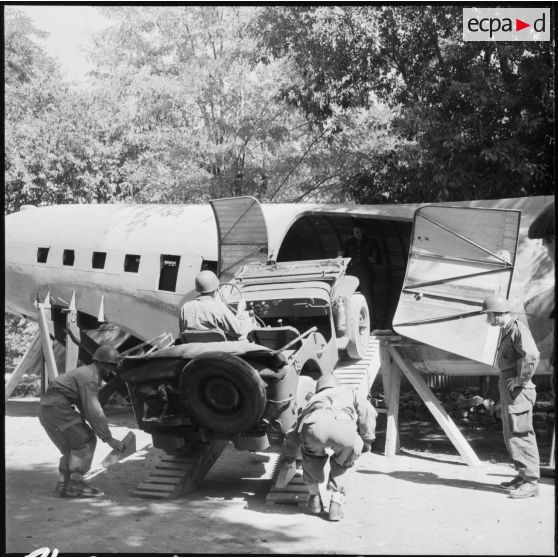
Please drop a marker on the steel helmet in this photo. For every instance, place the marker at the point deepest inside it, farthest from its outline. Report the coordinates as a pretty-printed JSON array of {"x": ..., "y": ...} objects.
[
  {"x": 206, "y": 282},
  {"x": 107, "y": 355},
  {"x": 495, "y": 303},
  {"x": 326, "y": 382}
]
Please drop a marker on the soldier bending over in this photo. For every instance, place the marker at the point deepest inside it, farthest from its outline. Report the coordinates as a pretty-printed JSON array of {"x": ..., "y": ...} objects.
[
  {"x": 335, "y": 418},
  {"x": 68, "y": 428}
]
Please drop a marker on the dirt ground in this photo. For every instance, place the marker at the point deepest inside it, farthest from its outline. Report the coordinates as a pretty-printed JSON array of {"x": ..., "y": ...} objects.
[{"x": 424, "y": 501}]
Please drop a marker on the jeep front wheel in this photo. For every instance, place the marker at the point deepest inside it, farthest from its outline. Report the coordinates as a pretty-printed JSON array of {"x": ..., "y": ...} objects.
[{"x": 358, "y": 326}]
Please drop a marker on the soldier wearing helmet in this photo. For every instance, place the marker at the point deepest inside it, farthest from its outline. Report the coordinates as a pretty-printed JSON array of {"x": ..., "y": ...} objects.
[
  {"x": 72, "y": 416},
  {"x": 337, "y": 419},
  {"x": 517, "y": 360},
  {"x": 207, "y": 312}
]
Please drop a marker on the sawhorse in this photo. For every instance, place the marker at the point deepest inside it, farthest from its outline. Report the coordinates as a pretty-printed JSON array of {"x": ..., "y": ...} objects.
[{"x": 393, "y": 364}]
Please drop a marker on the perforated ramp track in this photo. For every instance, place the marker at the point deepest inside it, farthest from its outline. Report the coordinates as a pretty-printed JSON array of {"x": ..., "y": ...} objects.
[{"x": 173, "y": 476}]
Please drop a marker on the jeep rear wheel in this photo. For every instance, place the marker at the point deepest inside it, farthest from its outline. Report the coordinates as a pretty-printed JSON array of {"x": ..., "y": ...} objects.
[
  {"x": 358, "y": 326},
  {"x": 222, "y": 392}
]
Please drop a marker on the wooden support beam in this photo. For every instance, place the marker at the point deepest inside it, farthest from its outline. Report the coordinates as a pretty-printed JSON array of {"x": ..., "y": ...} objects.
[
  {"x": 286, "y": 473},
  {"x": 32, "y": 360},
  {"x": 552, "y": 449},
  {"x": 391, "y": 378},
  {"x": 72, "y": 332},
  {"x": 434, "y": 406},
  {"x": 48, "y": 352}
]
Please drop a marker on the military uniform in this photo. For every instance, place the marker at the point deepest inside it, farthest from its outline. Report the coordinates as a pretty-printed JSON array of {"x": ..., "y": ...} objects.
[
  {"x": 206, "y": 313},
  {"x": 70, "y": 403},
  {"x": 337, "y": 418},
  {"x": 518, "y": 357}
]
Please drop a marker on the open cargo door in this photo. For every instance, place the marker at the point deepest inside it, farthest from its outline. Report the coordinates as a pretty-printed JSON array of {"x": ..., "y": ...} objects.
[
  {"x": 458, "y": 257},
  {"x": 242, "y": 234}
]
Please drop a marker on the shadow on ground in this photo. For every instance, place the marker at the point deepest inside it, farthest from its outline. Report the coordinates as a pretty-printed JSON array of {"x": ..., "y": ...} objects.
[
  {"x": 428, "y": 437},
  {"x": 426, "y": 477},
  {"x": 207, "y": 516}
]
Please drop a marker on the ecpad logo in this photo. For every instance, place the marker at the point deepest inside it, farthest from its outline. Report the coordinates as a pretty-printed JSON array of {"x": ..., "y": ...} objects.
[{"x": 506, "y": 24}]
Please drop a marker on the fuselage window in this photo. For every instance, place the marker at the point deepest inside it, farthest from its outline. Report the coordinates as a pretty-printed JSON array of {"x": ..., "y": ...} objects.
[
  {"x": 42, "y": 255},
  {"x": 169, "y": 272},
  {"x": 68, "y": 257},
  {"x": 209, "y": 264},
  {"x": 98, "y": 260},
  {"x": 131, "y": 263}
]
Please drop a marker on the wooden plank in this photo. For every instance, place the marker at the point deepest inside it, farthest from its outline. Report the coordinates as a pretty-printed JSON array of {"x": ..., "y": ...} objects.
[
  {"x": 434, "y": 406},
  {"x": 297, "y": 480},
  {"x": 150, "y": 494},
  {"x": 552, "y": 449},
  {"x": 156, "y": 479},
  {"x": 160, "y": 487},
  {"x": 167, "y": 473},
  {"x": 391, "y": 378},
  {"x": 73, "y": 331},
  {"x": 286, "y": 473},
  {"x": 207, "y": 459},
  {"x": 179, "y": 460},
  {"x": 286, "y": 498},
  {"x": 32, "y": 360},
  {"x": 293, "y": 488},
  {"x": 50, "y": 362},
  {"x": 170, "y": 467},
  {"x": 176, "y": 475}
]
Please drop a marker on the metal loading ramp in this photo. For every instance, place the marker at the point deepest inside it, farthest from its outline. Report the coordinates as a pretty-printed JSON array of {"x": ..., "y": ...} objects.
[{"x": 288, "y": 486}]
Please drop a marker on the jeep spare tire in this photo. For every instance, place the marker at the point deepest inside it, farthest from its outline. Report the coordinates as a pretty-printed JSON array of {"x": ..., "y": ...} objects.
[
  {"x": 222, "y": 392},
  {"x": 358, "y": 326}
]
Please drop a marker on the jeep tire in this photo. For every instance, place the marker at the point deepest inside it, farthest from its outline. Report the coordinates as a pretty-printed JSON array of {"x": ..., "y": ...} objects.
[
  {"x": 358, "y": 326},
  {"x": 222, "y": 392}
]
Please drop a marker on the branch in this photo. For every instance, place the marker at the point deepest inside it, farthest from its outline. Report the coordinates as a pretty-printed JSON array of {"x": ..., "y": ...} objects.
[
  {"x": 299, "y": 161},
  {"x": 313, "y": 188}
]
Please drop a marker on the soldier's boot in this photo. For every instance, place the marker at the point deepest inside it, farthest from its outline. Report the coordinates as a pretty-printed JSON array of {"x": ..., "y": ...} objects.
[
  {"x": 315, "y": 503},
  {"x": 60, "y": 488},
  {"x": 78, "y": 488},
  {"x": 314, "y": 499},
  {"x": 512, "y": 484},
  {"x": 336, "y": 506},
  {"x": 525, "y": 490}
]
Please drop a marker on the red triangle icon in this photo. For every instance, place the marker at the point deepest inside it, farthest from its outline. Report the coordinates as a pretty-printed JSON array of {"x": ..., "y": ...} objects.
[{"x": 519, "y": 25}]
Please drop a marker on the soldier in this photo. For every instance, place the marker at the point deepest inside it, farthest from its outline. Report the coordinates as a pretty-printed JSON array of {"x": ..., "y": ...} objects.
[
  {"x": 74, "y": 432},
  {"x": 207, "y": 312},
  {"x": 335, "y": 418},
  {"x": 517, "y": 360}
]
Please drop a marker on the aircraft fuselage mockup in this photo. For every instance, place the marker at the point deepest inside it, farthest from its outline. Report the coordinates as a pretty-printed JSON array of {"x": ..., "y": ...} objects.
[{"x": 134, "y": 265}]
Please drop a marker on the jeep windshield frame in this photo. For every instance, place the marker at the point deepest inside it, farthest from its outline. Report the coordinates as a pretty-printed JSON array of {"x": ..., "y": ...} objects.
[{"x": 328, "y": 270}]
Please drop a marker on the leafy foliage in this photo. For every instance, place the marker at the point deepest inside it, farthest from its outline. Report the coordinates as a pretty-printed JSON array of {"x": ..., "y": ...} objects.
[
  {"x": 341, "y": 103},
  {"x": 18, "y": 335},
  {"x": 477, "y": 117}
]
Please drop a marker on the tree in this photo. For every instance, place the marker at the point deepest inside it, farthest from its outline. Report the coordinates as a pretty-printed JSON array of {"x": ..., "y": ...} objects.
[
  {"x": 202, "y": 115},
  {"x": 477, "y": 117}
]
